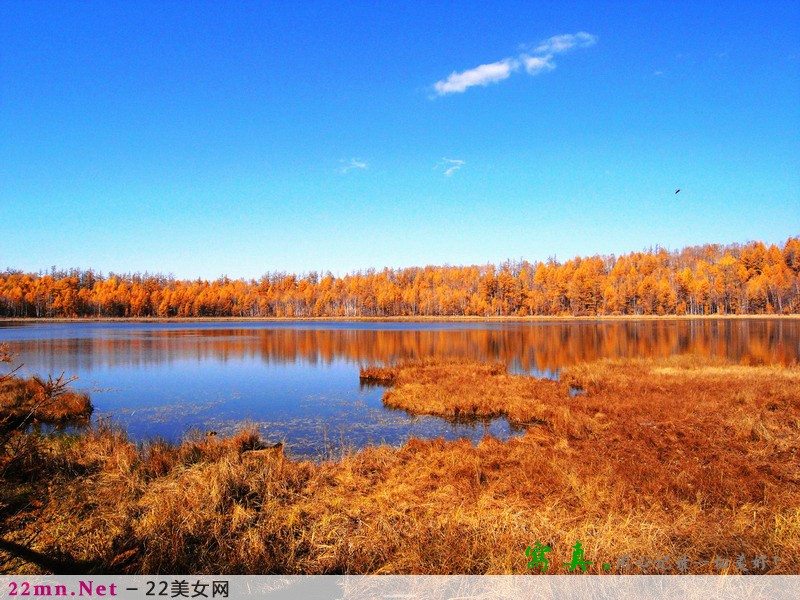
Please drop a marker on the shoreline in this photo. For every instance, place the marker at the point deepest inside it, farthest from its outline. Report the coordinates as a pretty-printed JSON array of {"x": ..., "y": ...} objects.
[{"x": 403, "y": 319}]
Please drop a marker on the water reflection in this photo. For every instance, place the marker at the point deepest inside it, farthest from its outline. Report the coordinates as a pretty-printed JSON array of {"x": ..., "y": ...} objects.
[
  {"x": 299, "y": 381},
  {"x": 540, "y": 347}
]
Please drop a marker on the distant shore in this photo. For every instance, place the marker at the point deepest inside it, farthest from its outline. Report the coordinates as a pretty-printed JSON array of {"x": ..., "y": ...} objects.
[{"x": 398, "y": 319}]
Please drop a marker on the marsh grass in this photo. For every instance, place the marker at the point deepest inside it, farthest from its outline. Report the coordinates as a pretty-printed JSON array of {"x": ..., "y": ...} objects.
[
  {"x": 658, "y": 458},
  {"x": 462, "y": 389},
  {"x": 35, "y": 399},
  {"x": 27, "y": 403}
]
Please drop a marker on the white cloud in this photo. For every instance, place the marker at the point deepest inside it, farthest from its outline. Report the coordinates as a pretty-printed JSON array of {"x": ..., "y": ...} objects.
[
  {"x": 562, "y": 43},
  {"x": 658, "y": 73},
  {"x": 349, "y": 165},
  {"x": 536, "y": 62},
  {"x": 450, "y": 165},
  {"x": 481, "y": 75}
]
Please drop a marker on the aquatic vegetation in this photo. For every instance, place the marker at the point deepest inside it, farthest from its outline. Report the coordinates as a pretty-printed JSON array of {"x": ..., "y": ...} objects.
[{"x": 464, "y": 389}]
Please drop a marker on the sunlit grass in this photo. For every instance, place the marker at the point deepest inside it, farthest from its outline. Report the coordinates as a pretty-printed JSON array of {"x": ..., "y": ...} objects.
[{"x": 34, "y": 399}]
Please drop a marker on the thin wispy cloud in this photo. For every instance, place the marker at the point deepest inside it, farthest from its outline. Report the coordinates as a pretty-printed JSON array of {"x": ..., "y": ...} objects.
[
  {"x": 538, "y": 64},
  {"x": 450, "y": 165},
  {"x": 349, "y": 165},
  {"x": 563, "y": 43},
  {"x": 535, "y": 62}
]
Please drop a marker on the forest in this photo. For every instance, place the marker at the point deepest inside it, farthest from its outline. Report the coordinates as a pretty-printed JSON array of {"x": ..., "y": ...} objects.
[{"x": 750, "y": 278}]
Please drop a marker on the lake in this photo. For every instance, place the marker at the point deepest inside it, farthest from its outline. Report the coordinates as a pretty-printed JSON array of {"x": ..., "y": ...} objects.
[{"x": 299, "y": 381}]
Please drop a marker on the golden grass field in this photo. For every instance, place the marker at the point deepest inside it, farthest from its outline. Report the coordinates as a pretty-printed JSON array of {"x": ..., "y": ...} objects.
[{"x": 684, "y": 456}]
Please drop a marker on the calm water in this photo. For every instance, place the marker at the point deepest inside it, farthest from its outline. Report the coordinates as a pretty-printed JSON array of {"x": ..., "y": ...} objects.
[{"x": 299, "y": 381}]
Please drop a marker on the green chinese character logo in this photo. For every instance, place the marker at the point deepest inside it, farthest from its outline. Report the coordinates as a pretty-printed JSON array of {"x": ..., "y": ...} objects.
[
  {"x": 537, "y": 556},
  {"x": 577, "y": 559}
]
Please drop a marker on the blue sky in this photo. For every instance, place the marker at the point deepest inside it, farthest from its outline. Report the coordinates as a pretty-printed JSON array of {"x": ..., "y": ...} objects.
[{"x": 203, "y": 139}]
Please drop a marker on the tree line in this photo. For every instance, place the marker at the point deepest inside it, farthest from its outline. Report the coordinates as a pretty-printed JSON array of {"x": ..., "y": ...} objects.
[{"x": 710, "y": 279}]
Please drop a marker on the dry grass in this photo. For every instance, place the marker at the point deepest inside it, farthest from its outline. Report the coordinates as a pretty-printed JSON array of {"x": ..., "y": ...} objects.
[
  {"x": 675, "y": 457},
  {"x": 34, "y": 399},
  {"x": 460, "y": 389}
]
